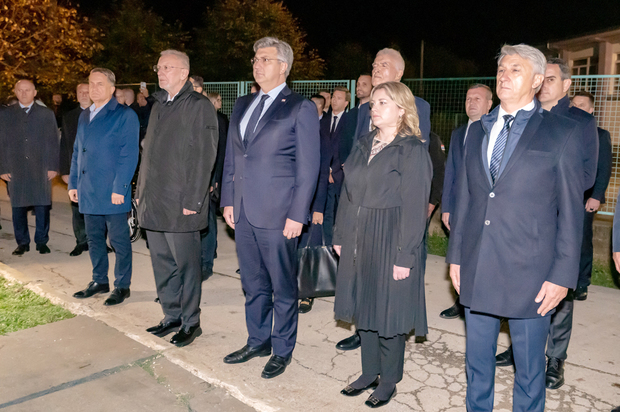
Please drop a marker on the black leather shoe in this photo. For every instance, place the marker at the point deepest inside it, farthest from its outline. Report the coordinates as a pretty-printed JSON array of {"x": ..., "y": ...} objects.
[
  {"x": 77, "y": 251},
  {"x": 164, "y": 328},
  {"x": 350, "y": 343},
  {"x": 21, "y": 249},
  {"x": 554, "y": 378},
  {"x": 581, "y": 293},
  {"x": 246, "y": 353},
  {"x": 92, "y": 289},
  {"x": 305, "y": 305},
  {"x": 373, "y": 402},
  {"x": 43, "y": 249},
  {"x": 505, "y": 358},
  {"x": 186, "y": 335},
  {"x": 117, "y": 296},
  {"x": 453, "y": 311},
  {"x": 351, "y": 391},
  {"x": 276, "y": 365}
]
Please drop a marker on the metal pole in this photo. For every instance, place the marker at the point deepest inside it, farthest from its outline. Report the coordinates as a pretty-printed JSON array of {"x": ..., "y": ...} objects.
[{"x": 422, "y": 60}]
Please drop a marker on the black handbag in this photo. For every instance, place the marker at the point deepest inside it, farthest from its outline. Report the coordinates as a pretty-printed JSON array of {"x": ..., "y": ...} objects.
[{"x": 317, "y": 269}]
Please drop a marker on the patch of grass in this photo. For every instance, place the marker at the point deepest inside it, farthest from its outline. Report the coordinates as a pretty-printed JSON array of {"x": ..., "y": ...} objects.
[
  {"x": 437, "y": 244},
  {"x": 21, "y": 308}
]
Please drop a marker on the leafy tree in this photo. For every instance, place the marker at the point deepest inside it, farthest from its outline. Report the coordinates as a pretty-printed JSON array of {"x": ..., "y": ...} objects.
[
  {"x": 46, "y": 42},
  {"x": 133, "y": 39},
  {"x": 349, "y": 61},
  {"x": 223, "y": 48}
]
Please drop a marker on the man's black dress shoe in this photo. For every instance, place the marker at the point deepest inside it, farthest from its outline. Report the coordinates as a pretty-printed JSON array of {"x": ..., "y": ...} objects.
[
  {"x": 350, "y": 343},
  {"x": 164, "y": 328},
  {"x": 373, "y": 402},
  {"x": 276, "y": 365},
  {"x": 43, "y": 249},
  {"x": 505, "y": 358},
  {"x": 246, "y": 353},
  {"x": 21, "y": 249},
  {"x": 92, "y": 289},
  {"x": 117, "y": 296},
  {"x": 581, "y": 293},
  {"x": 186, "y": 335},
  {"x": 351, "y": 391},
  {"x": 78, "y": 249},
  {"x": 554, "y": 378},
  {"x": 305, "y": 305},
  {"x": 453, "y": 311}
]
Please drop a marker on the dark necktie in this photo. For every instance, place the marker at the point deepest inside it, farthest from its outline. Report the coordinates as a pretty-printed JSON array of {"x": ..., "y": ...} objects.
[
  {"x": 26, "y": 109},
  {"x": 500, "y": 146},
  {"x": 334, "y": 123},
  {"x": 249, "y": 130}
]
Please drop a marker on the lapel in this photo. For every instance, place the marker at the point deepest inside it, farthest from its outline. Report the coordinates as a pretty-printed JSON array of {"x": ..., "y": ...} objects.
[
  {"x": 484, "y": 163},
  {"x": 245, "y": 104},
  {"x": 99, "y": 117},
  {"x": 524, "y": 141},
  {"x": 275, "y": 107}
]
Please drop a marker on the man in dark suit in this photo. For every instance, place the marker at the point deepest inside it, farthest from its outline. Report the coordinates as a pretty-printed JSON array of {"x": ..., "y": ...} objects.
[
  {"x": 478, "y": 102},
  {"x": 516, "y": 229},
  {"x": 29, "y": 163},
  {"x": 105, "y": 156},
  {"x": 270, "y": 174},
  {"x": 69, "y": 131}
]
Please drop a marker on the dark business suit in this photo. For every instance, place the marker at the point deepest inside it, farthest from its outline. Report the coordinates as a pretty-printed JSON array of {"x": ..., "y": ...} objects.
[
  {"x": 509, "y": 238},
  {"x": 271, "y": 180},
  {"x": 438, "y": 158},
  {"x": 453, "y": 165}
]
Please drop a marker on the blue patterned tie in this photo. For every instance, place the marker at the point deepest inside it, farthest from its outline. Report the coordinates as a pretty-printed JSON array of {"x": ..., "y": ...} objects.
[
  {"x": 249, "y": 130},
  {"x": 500, "y": 146}
]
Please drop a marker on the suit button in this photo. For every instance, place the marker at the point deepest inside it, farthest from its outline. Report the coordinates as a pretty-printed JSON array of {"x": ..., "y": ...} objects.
[
  {"x": 83, "y": 150},
  {"x": 245, "y": 155},
  {"x": 27, "y": 158},
  {"x": 83, "y": 171},
  {"x": 487, "y": 222},
  {"x": 491, "y": 195},
  {"x": 240, "y": 177}
]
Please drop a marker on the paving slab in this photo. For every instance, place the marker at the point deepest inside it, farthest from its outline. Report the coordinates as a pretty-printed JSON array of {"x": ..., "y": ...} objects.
[{"x": 434, "y": 370}]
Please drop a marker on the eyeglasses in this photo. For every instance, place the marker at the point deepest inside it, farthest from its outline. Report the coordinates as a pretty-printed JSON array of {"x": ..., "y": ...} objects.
[
  {"x": 157, "y": 68},
  {"x": 263, "y": 60}
]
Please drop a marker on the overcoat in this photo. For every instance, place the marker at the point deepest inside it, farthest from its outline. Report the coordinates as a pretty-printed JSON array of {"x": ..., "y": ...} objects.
[{"x": 29, "y": 150}]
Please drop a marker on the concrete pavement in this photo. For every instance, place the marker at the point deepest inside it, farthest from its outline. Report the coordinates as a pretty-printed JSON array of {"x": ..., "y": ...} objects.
[{"x": 434, "y": 370}]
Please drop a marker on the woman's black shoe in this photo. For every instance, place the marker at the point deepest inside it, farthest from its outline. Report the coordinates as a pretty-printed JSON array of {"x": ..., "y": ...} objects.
[
  {"x": 351, "y": 391},
  {"x": 373, "y": 402}
]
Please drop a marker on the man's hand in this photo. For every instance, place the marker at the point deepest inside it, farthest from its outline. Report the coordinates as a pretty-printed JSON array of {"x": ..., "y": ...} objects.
[
  {"x": 317, "y": 218},
  {"x": 431, "y": 207},
  {"x": 144, "y": 91},
  {"x": 445, "y": 218},
  {"x": 338, "y": 249},
  {"x": 292, "y": 229},
  {"x": 73, "y": 195},
  {"x": 550, "y": 295},
  {"x": 617, "y": 260},
  {"x": 117, "y": 199},
  {"x": 592, "y": 205},
  {"x": 229, "y": 216},
  {"x": 6, "y": 177},
  {"x": 188, "y": 212},
  {"x": 331, "y": 179},
  {"x": 400, "y": 273},
  {"x": 211, "y": 189},
  {"x": 455, "y": 275},
  {"x": 65, "y": 178},
  {"x": 51, "y": 174}
]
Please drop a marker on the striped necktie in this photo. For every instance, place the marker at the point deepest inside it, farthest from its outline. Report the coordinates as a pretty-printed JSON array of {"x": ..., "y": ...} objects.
[{"x": 500, "y": 146}]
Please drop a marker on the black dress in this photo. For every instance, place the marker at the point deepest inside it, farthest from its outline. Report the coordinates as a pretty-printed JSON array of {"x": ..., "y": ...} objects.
[{"x": 380, "y": 223}]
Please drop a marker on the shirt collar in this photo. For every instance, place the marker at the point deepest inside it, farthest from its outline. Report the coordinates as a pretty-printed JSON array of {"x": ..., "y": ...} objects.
[
  {"x": 273, "y": 93},
  {"x": 29, "y": 106},
  {"x": 528, "y": 107}
]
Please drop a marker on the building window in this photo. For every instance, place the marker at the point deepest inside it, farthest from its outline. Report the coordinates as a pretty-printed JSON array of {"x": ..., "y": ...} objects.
[{"x": 584, "y": 67}]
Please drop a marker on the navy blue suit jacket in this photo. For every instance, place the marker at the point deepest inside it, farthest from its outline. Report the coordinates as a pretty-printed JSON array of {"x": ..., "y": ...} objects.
[
  {"x": 526, "y": 229},
  {"x": 603, "y": 167},
  {"x": 276, "y": 175},
  {"x": 453, "y": 165}
]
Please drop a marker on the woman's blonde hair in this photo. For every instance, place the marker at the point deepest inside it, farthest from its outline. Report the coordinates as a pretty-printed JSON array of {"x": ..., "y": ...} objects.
[{"x": 409, "y": 123}]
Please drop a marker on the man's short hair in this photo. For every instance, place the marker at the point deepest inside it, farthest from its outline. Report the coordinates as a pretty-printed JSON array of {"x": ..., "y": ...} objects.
[
  {"x": 584, "y": 93},
  {"x": 482, "y": 86},
  {"x": 395, "y": 55},
  {"x": 323, "y": 91},
  {"x": 345, "y": 90},
  {"x": 183, "y": 58},
  {"x": 285, "y": 52},
  {"x": 535, "y": 57},
  {"x": 564, "y": 68},
  {"x": 213, "y": 95},
  {"x": 317, "y": 96},
  {"x": 107, "y": 72},
  {"x": 197, "y": 79}
]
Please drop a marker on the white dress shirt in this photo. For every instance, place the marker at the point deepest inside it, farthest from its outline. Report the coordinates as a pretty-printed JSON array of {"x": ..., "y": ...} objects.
[
  {"x": 469, "y": 122},
  {"x": 95, "y": 110},
  {"x": 499, "y": 125},
  {"x": 29, "y": 107},
  {"x": 248, "y": 113}
]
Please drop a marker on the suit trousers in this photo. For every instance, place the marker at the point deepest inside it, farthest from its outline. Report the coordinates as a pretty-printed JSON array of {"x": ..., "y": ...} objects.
[
  {"x": 528, "y": 345},
  {"x": 587, "y": 251},
  {"x": 79, "y": 227},
  {"x": 383, "y": 356},
  {"x": 118, "y": 233},
  {"x": 561, "y": 328},
  {"x": 208, "y": 240},
  {"x": 331, "y": 207},
  {"x": 178, "y": 278},
  {"x": 20, "y": 225},
  {"x": 268, "y": 264}
]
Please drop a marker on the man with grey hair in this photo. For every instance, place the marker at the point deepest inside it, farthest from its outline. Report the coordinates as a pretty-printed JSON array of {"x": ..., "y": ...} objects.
[
  {"x": 270, "y": 173},
  {"x": 172, "y": 193},
  {"x": 516, "y": 229}
]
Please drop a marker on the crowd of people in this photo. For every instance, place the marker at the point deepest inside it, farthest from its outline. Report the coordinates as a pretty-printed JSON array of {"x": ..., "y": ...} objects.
[{"x": 518, "y": 195}]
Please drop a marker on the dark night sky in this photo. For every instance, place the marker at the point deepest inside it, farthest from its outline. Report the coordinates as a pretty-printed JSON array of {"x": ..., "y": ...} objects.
[{"x": 471, "y": 30}]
